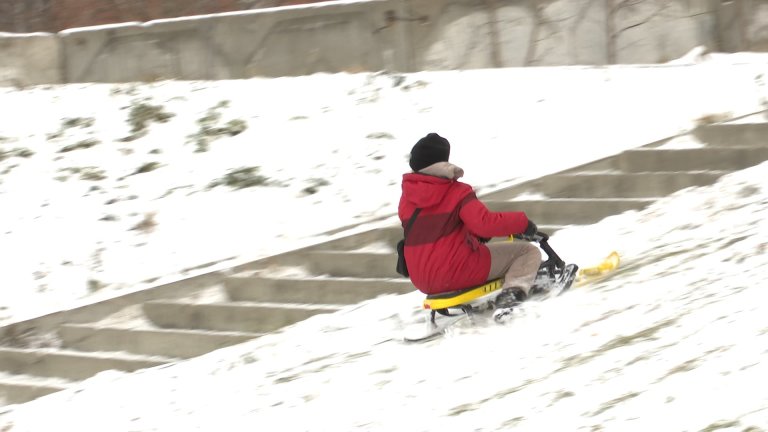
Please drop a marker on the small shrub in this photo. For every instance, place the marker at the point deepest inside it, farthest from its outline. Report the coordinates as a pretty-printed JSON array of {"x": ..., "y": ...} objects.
[
  {"x": 146, "y": 225},
  {"x": 249, "y": 358},
  {"x": 129, "y": 90},
  {"x": 82, "y": 122},
  {"x": 86, "y": 173},
  {"x": 141, "y": 115},
  {"x": 316, "y": 184},
  {"x": 397, "y": 80},
  {"x": 203, "y": 144},
  {"x": 380, "y": 135},
  {"x": 210, "y": 118},
  {"x": 23, "y": 153},
  {"x": 147, "y": 167},
  {"x": 95, "y": 285},
  {"x": 235, "y": 127},
  {"x": 66, "y": 173},
  {"x": 144, "y": 113},
  {"x": 84, "y": 144},
  {"x": 92, "y": 174},
  {"x": 8, "y": 169},
  {"x": 419, "y": 84},
  {"x": 72, "y": 122},
  {"x": 133, "y": 137},
  {"x": 712, "y": 119},
  {"x": 17, "y": 152},
  {"x": 241, "y": 178},
  {"x": 211, "y": 129}
]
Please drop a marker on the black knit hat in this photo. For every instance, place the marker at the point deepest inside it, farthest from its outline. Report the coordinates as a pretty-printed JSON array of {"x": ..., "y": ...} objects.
[{"x": 429, "y": 150}]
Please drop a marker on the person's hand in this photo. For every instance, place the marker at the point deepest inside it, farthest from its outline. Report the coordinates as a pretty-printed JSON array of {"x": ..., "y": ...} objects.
[{"x": 530, "y": 230}]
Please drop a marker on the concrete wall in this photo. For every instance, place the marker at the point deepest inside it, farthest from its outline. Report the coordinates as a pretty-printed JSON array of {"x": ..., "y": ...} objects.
[
  {"x": 291, "y": 41},
  {"x": 83, "y": 13},
  {"x": 401, "y": 35},
  {"x": 661, "y": 31},
  {"x": 29, "y": 59},
  {"x": 566, "y": 32},
  {"x": 51, "y": 16}
]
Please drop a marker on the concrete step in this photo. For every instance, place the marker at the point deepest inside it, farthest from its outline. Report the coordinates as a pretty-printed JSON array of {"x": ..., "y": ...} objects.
[
  {"x": 726, "y": 135},
  {"x": 353, "y": 264},
  {"x": 315, "y": 290},
  {"x": 567, "y": 211},
  {"x": 153, "y": 342},
  {"x": 360, "y": 240},
  {"x": 700, "y": 159},
  {"x": 70, "y": 365},
  {"x": 16, "y": 391},
  {"x": 238, "y": 317},
  {"x": 392, "y": 235},
  {"x": 602, "y": 186},
  {"x": 373, "y": 265}
]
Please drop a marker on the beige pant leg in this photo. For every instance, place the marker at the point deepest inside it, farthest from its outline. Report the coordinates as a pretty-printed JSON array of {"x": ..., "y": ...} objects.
[{"x": 517, "y": 262}]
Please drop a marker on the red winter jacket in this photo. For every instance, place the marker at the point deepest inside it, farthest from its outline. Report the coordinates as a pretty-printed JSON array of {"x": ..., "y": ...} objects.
[{"x": 442, "y": 248}]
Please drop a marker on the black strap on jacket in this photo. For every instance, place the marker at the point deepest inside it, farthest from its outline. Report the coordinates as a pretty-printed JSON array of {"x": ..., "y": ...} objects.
[
  {"x": 410, "y": 222},
  {"x": 402, "y": 266}
]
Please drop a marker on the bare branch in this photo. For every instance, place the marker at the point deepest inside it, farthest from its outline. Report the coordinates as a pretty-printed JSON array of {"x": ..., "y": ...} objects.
[
  {"x": 582, "y": 14},
  {"x": 495, "y": 53},
  {"x": 613, "y": 34},
  {"x": 648, "y": 19},
  {"x": 533, "y": 40}
]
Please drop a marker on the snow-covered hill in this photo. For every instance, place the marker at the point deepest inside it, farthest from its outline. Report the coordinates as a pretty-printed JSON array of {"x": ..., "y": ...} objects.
[
  {"x": 674, "y": 341},
  {"x": 106, "y": 189}
]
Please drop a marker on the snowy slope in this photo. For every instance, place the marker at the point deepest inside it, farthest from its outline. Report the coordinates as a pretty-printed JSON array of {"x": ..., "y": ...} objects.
[
  {"x": 106, "y": 189},
  {"x": 675, "y": 341}
]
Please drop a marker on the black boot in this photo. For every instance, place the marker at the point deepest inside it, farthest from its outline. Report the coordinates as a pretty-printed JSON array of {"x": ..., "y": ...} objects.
[
  {"x": 537, "y": 290},
  {"x": 506, "y": 302},
  {"x": 510, "y": 297}
]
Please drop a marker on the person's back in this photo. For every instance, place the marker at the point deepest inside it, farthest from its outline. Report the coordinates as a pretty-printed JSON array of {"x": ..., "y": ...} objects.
[{"x": 444, "y": 248}]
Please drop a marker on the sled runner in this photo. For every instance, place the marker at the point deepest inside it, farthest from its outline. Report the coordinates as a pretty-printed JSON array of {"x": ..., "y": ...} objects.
[{"x": 554, "y": 278}]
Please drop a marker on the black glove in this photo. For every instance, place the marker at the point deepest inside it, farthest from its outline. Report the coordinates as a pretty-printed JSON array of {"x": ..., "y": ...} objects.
[{"x": 530, "y": 230}]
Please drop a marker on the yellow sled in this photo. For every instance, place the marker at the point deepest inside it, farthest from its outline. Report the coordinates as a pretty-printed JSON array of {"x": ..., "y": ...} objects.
[
  {"x": 467, "y": 296},
  {"x": 460, "y": 297},
  {"x": 610, "y": 263},
  {"x": 552, "y": 271}
]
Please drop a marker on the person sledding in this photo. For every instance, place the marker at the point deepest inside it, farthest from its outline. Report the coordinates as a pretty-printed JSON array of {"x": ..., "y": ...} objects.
[{"x": 446, "y": 245}]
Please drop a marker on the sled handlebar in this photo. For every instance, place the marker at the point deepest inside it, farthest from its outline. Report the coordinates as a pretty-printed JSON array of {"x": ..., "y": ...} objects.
[
  {"x": 543, "y": 240},
  {"x": 538, "y": 237}
]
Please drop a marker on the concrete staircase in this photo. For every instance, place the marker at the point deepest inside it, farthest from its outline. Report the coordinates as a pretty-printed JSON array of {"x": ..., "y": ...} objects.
[{"x": 192, "y": 317}]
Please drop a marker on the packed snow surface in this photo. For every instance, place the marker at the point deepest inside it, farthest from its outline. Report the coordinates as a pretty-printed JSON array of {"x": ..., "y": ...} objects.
[{"x": 672, "y": 341}]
